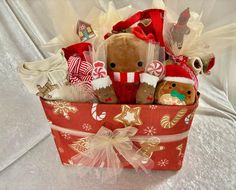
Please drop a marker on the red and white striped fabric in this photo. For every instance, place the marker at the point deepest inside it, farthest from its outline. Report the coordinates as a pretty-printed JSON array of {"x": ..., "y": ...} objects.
[
  {"x": 125, "y": 77},
  {"x": 80, "y": 73},
  {"x": 79, "y": 70}
]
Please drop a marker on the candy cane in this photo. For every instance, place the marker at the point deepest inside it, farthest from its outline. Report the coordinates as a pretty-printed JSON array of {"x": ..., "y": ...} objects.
[
  {"x": 167, "y": 124},
  {"x": 94, "y": 113},
  {"x": 155, "y": 68}
]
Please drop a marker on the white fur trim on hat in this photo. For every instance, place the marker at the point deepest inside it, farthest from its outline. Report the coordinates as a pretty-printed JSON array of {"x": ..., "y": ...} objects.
[
  {"x": 149, "y": 79},
  {"x": 180, "y": 79},
  {"x": 101, "y": 83}
]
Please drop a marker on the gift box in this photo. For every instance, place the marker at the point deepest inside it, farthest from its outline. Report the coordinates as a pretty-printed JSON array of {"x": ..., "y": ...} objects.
[{"x": 158, "y": 132}]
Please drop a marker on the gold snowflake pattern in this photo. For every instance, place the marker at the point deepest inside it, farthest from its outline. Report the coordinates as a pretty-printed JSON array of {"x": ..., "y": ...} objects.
[
  {"x": 150, "y": 130},
  {"x": 86, "y": 127},
  {"x": 66, "y": 136},
  {"x": 163, "y": 163},
  {"x": 62, "y": 108},
  {"x": 153, "y": 107}
]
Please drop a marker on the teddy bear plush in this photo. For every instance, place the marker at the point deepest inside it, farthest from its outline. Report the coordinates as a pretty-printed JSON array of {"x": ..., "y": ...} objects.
[{"x": 177, "y": 87}]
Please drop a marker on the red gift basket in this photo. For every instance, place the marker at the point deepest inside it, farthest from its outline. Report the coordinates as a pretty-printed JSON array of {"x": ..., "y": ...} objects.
[{"x": 73, "y": 123}]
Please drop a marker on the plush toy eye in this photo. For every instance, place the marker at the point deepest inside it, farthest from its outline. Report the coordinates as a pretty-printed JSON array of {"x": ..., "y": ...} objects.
[
  {"x": 140, "y": 63},
  {"x": 113, "y": 65},
  {"x": 173, "y": 85},
  {"x": 189, "y": 92},
  {"x": 197, "y": 64}
]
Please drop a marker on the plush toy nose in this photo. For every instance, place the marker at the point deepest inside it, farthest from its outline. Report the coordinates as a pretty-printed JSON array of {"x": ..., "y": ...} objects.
[{"x": 175, "y": 93}]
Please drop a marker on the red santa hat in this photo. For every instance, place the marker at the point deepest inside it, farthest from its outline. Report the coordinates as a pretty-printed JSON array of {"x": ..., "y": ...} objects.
[{"x": 178, "y": 74}]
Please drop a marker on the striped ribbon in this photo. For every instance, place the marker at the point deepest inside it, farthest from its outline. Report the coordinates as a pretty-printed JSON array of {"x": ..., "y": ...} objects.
[
  {"x": 137, "y": 138},
  {"x": 79, "y": 70}
]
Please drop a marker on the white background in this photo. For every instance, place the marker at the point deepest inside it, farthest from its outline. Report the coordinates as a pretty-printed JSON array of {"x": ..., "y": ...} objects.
[{"x": 28, "y": 158}]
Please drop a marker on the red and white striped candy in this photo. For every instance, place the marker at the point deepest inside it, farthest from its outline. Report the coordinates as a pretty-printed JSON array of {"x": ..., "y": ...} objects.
[
  {"x": 156, "y": 68},
  {"x": 99, "y": 70}
]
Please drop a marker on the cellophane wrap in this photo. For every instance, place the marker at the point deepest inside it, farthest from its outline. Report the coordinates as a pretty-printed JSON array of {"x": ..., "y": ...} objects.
[{"x": 201, "y": 40}]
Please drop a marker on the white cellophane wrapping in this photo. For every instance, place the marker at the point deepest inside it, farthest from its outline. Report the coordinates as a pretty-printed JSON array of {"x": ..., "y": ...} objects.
[
  {"x": 200, "y": 41},
  {"x": 64, "y": 19},
  {"x": 103, "y": 21}
]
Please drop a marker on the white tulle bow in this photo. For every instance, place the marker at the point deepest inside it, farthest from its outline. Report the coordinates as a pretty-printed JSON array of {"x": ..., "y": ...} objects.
[{"x": 111, "y": 149}]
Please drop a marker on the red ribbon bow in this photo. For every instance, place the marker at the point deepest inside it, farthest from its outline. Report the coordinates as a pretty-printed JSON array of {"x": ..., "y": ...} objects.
[{"x": 79, "y": 70}]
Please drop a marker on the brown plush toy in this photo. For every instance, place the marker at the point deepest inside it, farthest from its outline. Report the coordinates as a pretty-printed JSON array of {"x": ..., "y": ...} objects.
[
  {"x": 177, "y": 88},
  {"x": 126, "y": 60}
]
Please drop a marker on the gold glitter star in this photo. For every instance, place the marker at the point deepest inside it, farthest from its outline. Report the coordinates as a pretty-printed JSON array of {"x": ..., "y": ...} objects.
[{"x": 129, "y": 116}]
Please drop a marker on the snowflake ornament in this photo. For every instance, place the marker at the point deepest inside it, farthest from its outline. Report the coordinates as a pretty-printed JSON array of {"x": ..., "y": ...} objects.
[
  {"x": 163, "y": 162},
  {"x": 86, "y": 127},
  {"x": 62, "y": 108},
  {"x": 150, "y": 130}
]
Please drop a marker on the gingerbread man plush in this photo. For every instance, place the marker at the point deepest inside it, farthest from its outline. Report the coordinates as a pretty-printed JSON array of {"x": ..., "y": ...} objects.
[
  {"x": 177, "y": 88},
  {"x": 126, "y": 62},
  {"x": 130, "y": 79}
]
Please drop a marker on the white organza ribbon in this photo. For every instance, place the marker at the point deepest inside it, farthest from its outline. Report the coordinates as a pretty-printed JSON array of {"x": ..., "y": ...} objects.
[
  {"x": 112, "y": 148},
  {"x": 104, "y": 146}
]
